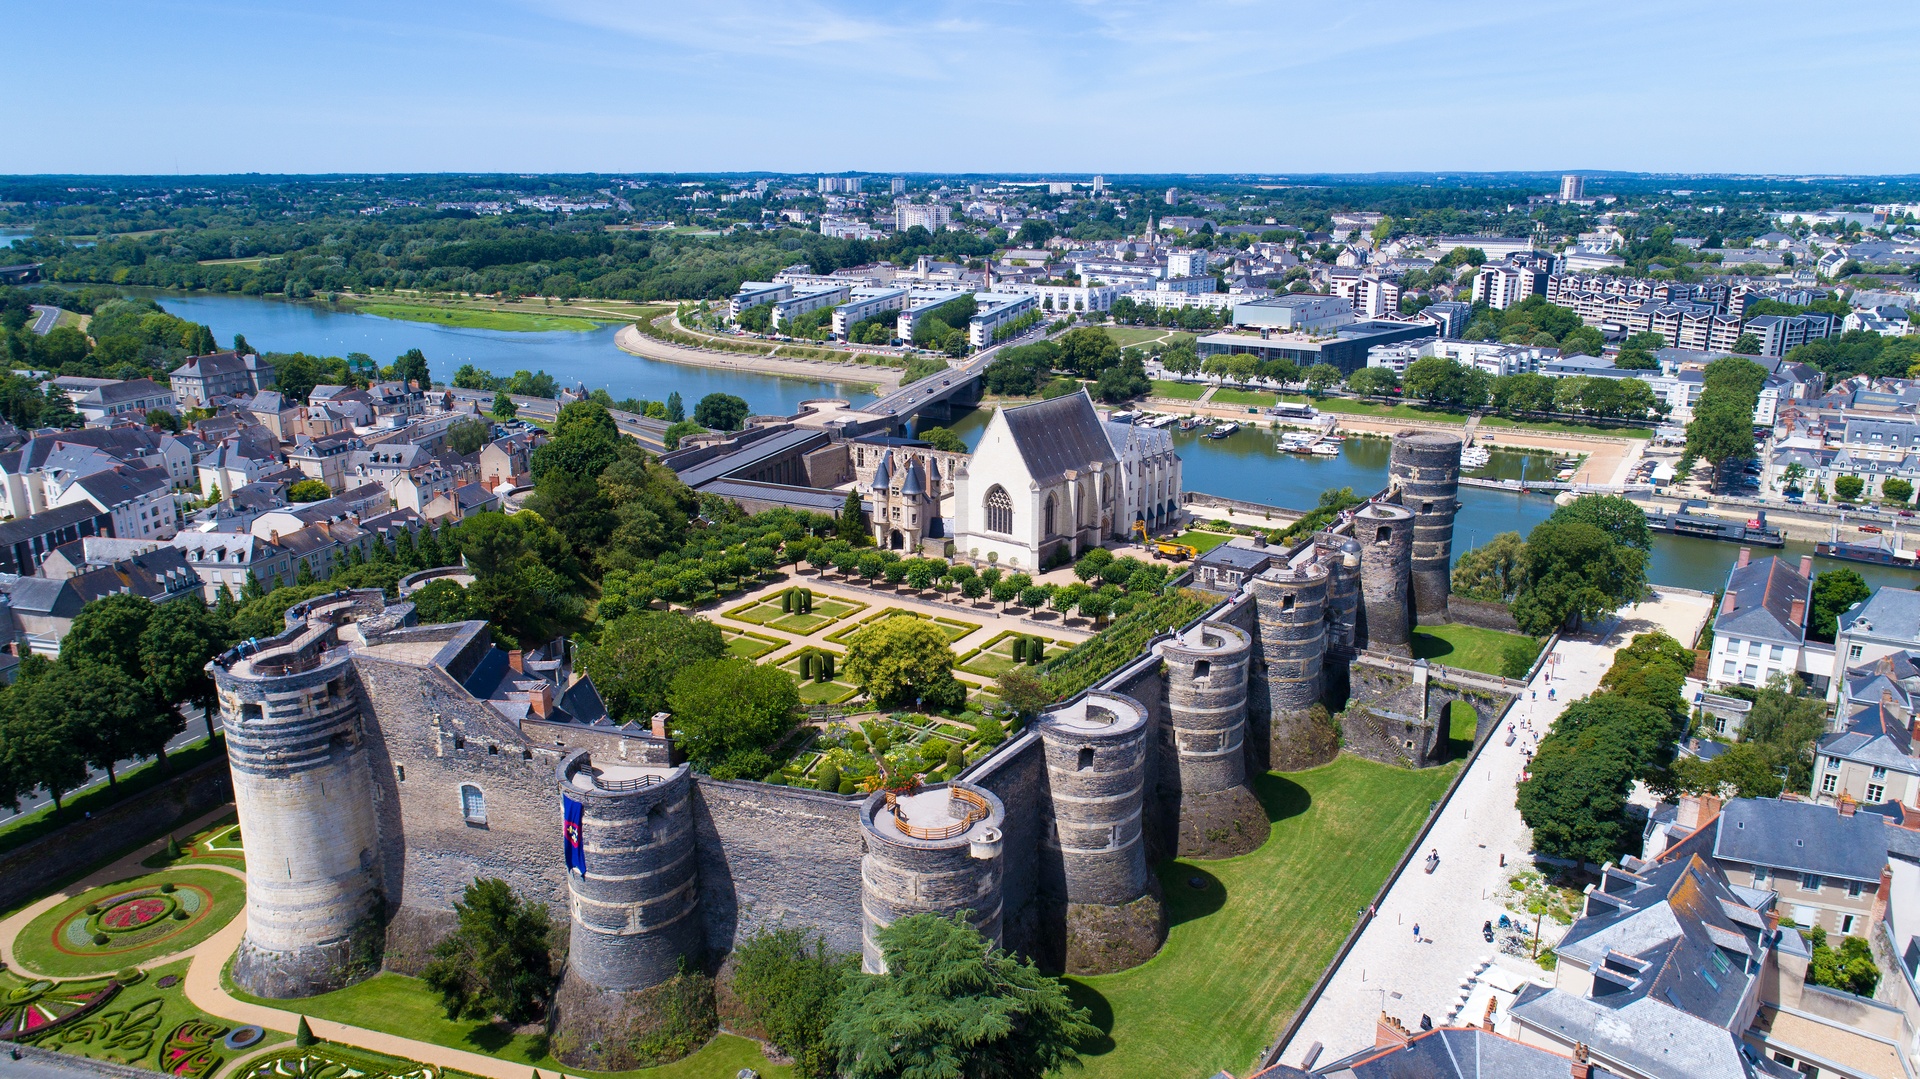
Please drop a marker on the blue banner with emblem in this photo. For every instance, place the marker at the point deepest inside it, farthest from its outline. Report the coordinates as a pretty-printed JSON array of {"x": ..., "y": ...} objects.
[{"x": 576, "y": 853}]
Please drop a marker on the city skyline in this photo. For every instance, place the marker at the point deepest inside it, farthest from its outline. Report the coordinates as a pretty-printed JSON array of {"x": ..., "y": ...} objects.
[{"x": 1080, "y": 88}]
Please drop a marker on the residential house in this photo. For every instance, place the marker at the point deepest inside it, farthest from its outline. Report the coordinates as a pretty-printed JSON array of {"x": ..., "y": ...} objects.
[
  {"x": 1883, "y": 624},
  {"x": 1823, "y": 861},
  {"x": 328, "y": 459},
  {"x": 131, "y": 399},
  {"x": 235, "y": 463},
  {"x": 139, "y": 500},
  {"x": 1761, "y": 627},
  {"x": 275, "y": 412},
  {"x": 25, "y": 542},
  {"x": 507, "y": 461},
  {"x": 228, "y": 558},
  {"x": 202, "y": 379}
]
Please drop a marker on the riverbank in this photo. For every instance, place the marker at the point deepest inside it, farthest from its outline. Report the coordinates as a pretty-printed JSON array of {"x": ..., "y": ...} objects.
[{"x": 631, "y": 340}]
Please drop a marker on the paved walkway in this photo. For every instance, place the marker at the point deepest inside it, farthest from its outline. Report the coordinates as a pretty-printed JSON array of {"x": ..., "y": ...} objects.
[{"x": 1389, "y": 969}]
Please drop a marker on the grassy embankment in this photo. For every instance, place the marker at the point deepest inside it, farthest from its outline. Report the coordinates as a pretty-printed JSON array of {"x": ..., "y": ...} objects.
[
  {"x": 396, "y": 1004},
  {"x": 1248, "y": 943},
  {"x": 469, "y": 318}
]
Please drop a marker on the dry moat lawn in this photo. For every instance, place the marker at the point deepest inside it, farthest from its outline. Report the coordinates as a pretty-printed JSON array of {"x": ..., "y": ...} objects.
[{"x": 1245, "y": 949}]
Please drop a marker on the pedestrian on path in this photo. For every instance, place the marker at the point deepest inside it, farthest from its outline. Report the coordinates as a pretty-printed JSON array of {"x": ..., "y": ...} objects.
[{"x": 1416, "y": 932}]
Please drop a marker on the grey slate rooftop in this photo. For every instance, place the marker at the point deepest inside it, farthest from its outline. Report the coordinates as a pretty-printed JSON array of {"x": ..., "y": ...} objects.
[
  {"x": 1801, "y": 836},
  {"x": 1762, "y": 594}
]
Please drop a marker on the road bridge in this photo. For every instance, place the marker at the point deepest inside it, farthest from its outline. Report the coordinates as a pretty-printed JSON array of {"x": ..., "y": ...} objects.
[{"x": 937, "y": 395}]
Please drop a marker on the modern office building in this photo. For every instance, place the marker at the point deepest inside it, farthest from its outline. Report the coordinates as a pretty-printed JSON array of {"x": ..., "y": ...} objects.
[
  {"x": 1345, "y": 349},
  {"x": 1305, "y": 311}
]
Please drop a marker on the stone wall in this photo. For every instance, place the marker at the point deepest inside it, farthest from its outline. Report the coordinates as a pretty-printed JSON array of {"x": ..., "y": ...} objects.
[
  {"x": 1387, "y": 718},
  {"x": 31, "y": 869},
  {"x": 1017, "y": 775},
  {"x": 776, "y": 856},
  {"x": 1473, "y": 612}
]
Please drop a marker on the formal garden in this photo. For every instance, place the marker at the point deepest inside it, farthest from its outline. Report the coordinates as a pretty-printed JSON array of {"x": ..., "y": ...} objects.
[
  {"x": 137, "y": 1017},
  {"x": 125, "y": 924}
]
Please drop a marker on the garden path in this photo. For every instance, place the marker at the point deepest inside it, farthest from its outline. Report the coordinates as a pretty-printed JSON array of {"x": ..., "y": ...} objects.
[
  {"x": 1482, "y": 843},
  {"x": 118, "y": 870}
]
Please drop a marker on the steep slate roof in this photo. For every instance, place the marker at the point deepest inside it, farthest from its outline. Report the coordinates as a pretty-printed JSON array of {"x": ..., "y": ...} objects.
[
  {"x": 1763, "y": 593},
  {"x": 1448, "y": 1053},
  {"x": 1673, "y": 949},
  {"x": 1889, "y": 612},
  {"x": 1802, "y": 837},
  {"x": 1874, "y": 736},
  {"x": 1058, "y": 435}
]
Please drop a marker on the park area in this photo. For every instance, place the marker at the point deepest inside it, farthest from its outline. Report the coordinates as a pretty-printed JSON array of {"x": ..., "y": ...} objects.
[
  {"x": 1250, "y": 935},
  {"x": 1474, "y": 649}
]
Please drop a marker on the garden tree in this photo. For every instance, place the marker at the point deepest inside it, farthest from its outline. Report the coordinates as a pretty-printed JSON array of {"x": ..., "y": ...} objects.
[
  {"x": 1582, "y": 341},
  {"x": 1651, "y": 670},
  {"x": 1791, "y": 476},
  {"x": 721, "y": 411},
  {"x": 1848, "y": 488},
  {"x": 791, "y": 984},
  {"x": 639, "y": 654},
  {"x": 1576, "y": 795},
  {"x": 116, "y": 716},
  {"x": 1443, "y": 381},
  {"x": 953, "y": 1004},
  {"x": 1523, "y": 393},
  {"x": 503, "y": 407},
  {"x": 726, "y": 712},
  {"x": 309, "y": 490},
  {"x": 1322, "y": 376},
  {"x": 1621, "y": 519},
  {"x": 441, "y": 601},
  {"x": 1373, "y": 381},
  {"x": 1573, "y": 571},
  {"x": 497, "y": 961},
  {"x": 852, "y": 522},
  {"x": 679, "y": 430},
  {"x": 179, "y": 639},
  {"x": 1895, "y": 489},
  {"x": 1750, "y": 770},
  {"x": 39, "y": 746},
  {"x": 676, "y": 411},
  {"x": 1722, "y": 427},
  {"x": 1087, "y": 351},
  {"x": 1635, "y": 359},
  {"x": 1747, "y": 344},
  {"x": 1852, "y": 968},
  {"x": 941, "y": 438},
  {"x": 1834, "y": 591},
  {"x": 902, "y": 659},
  {"x": 467, "y": 436},
  {"x": 411, "y": 366},
  {"x": 1123, "y": 382},
  {"x": 107, "y": 632},
  {"x": 1490, "y": 573},
  {"x": 1021, "y": 690},
  {"x": 583, "y": 442}
]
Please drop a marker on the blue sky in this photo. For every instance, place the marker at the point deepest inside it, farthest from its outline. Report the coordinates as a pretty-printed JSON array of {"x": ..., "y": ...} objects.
[{"x": 1087, "y": 86}]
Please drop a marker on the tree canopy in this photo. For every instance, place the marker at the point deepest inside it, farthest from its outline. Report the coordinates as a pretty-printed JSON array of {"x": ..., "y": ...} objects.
[
  {"x": 902, "y": 659},
  {"x": 1573, "y": 571},
  {"x": 726, "y": 712}
]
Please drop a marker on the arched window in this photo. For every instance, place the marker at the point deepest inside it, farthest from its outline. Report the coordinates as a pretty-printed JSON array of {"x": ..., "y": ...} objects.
[
  {"x": 1051, "y": 505},
  {"x": 473, "y": 804},
  {"x": 999, "y": 507}
]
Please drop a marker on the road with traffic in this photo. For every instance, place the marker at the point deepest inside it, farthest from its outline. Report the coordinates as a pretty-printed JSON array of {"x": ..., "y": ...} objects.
[{"x": 196, "y": 732}]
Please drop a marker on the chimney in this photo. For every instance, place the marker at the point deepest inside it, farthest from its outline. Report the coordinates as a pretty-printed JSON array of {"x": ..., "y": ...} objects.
[
  {"x": 660, "y": 725},
  {"x": 1389, "y": 1034},
  {"x": 1728, "y": 602},
  {"x": 1848, "y": 806},
  {"x": 1806, "y": 566},
  {"x": 540, "y": 699},
  {"x": 513, "y": 660},
  {"x": 1581, "y": 1069},
  {"x": 1746, "y": 556},
  {"x": 1797, "y": 611},
  {"x": 1486, "y": 1021},
  {"x": 1695, "y": 810}
]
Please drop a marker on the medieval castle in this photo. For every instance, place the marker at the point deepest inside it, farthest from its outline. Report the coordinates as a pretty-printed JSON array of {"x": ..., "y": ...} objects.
[{"x": 380, "y": 765}]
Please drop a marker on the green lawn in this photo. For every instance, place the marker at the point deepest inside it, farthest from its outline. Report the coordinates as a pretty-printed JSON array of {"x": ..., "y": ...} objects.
[
  {"x": 954, "y": 628},
  {"x": 750, "y": 645},
  {"x": 467, "y": 318},
  {"x": 396, "y": 1004},
  {"x": 217, "y": 844},
  {"x": 1559, "y": 427},
  {"x": 60, "y": 941},
  {"x": 766, "y": 612},
  {"x": 995, "y": 658},
  {"x": 833, "y": 691},
  {"x": 1471, "y": 647},
  {"x": 133, "y": 1027},
  {"x": 1250, "y": 398},
  {"x": 1201, "y": 541},
  {"x": 1128, "y": 336},
  {"x": 1178, "y": 391},
  {"x": 1244, "y": 950}
]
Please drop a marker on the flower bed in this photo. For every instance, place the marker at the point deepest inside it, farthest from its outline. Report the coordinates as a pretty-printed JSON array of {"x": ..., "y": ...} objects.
[{"x": 132, "y": 922}]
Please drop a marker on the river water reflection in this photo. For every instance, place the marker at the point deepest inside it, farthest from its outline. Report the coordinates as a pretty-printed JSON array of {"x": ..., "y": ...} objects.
[{"x": 1244, "y": 465}]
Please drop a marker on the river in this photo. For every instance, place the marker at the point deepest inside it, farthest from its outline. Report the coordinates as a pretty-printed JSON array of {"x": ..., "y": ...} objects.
[
  {"x": 570, "y": 356},
  {"x": 1244, "y": 465}
]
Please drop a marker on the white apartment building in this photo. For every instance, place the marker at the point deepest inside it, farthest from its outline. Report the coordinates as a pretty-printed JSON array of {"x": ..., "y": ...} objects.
[
  {"x": 933, "y": 217},
  {"x": 805, "y": 301},
  {"x": 1186, "y": 263},
  {"x": 1065, "y": 297},
  {"x": 1500, "y": 287},
  {"x": 863, "y": 304},
  {"x": 995, "y": 310}
]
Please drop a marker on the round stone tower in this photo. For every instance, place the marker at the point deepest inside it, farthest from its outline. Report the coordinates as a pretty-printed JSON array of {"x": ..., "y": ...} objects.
[
  {"x": 1096, "y": 750},
  {"x": 1291, "y": 603},
  {"x": 303, "y": 789},
  {"x": 1425, "y": 466},
  {"x": 1206, "y": 672},
  {"x": 934, "y": 851},
  {"x": 1385, "y": 532},
  {"x": 630, "y": 881},
  {"x": 1341, "y": 556}
]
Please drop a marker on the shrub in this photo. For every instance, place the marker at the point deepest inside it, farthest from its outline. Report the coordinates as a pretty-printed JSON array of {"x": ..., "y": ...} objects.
[
  {"x": 100, "y": 938},
  {"x": 827, "y": 776}
]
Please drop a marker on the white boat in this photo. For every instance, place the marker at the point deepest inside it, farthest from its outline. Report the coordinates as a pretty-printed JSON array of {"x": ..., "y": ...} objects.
[
  {"x": 1123, "y": 417},
  {"x": 1474, "y": 457},
  {"x": 1325, "y": 449},
  {"x": 1222, "y": 430},
  {"x": 1295, "y": 438},
  {"x": 1163, "y": 420}
]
